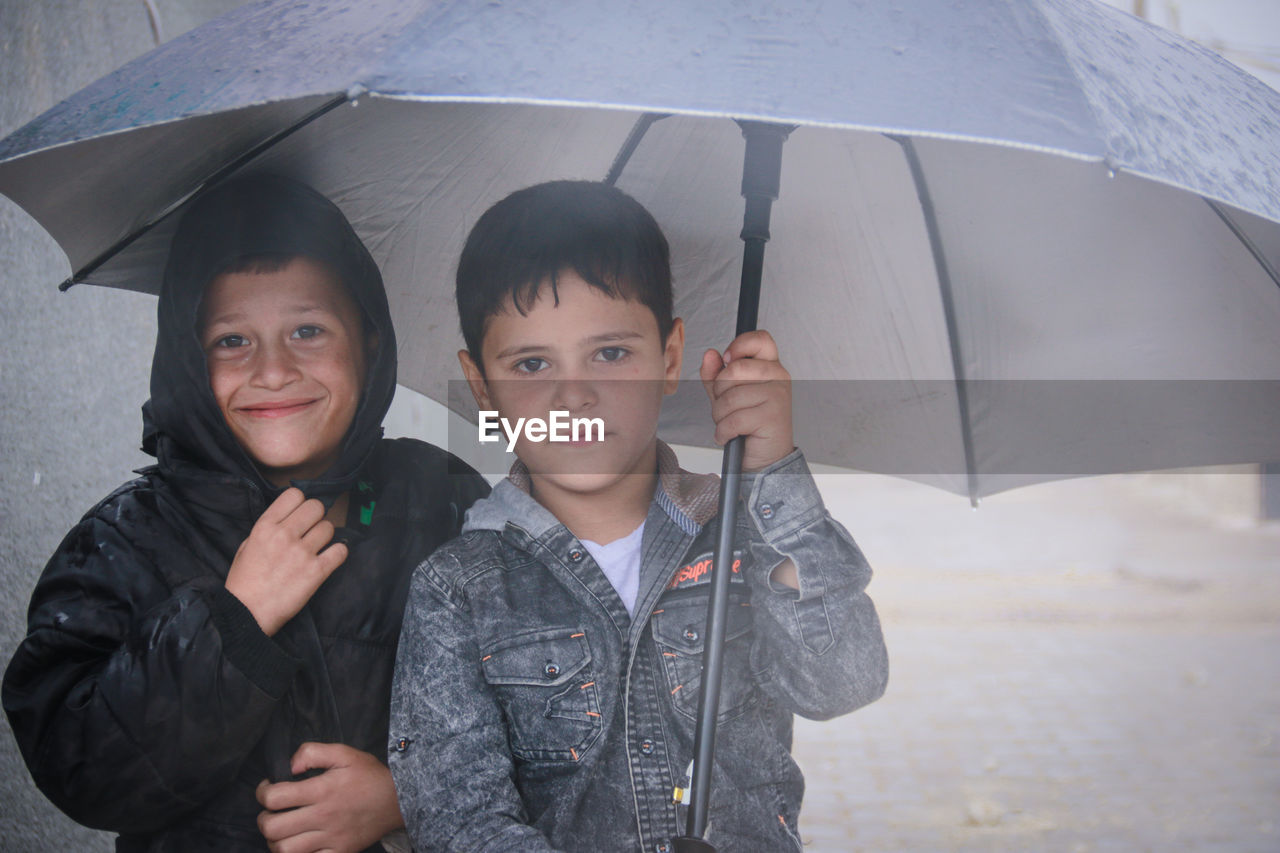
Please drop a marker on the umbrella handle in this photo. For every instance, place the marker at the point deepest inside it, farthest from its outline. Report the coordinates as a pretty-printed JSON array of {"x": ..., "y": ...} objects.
[{"x": 761, "y": 177}]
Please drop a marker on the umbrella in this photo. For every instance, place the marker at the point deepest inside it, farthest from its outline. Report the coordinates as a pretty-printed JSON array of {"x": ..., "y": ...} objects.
[
  {"x": 985, "y": 210},
  {"x": 1014, "y": 240}
]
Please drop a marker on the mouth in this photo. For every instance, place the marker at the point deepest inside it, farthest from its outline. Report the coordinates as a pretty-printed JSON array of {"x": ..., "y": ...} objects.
[
  {"x": 275, "y": 408},
  {"x": 583, "y": 442}
]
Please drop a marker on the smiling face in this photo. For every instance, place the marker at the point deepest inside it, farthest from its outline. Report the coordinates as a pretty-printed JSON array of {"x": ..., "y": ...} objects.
[
  {"x": 591, "y": 355},
  {"x": 286, "y": 357}
]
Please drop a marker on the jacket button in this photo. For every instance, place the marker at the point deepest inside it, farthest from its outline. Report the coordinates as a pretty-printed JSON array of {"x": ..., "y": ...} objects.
[
  {"x": 766, "y": 510},
  {"x": 551, "y": 670},
  {"x": 691, "y": 634},
  {"x": 646, "y": 746},
  {"x": 576, "y": 555}
]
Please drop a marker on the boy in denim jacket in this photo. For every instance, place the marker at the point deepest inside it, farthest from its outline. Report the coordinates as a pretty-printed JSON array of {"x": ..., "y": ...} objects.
[{"x": 547, "y": 678}]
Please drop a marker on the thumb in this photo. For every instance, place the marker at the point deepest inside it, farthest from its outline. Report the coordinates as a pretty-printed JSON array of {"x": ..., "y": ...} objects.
[
  {"x": 313, "y": 756},
  {"x": 710, "y": 368}
]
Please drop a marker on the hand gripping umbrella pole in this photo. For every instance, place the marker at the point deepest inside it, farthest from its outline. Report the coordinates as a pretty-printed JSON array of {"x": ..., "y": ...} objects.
[{"x": 761, "y": 175}]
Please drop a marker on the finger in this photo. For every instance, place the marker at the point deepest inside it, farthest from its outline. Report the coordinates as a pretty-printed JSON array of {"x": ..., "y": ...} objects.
[
  {"x": 751, "y": 422},
  {"x": 303, "y": 842},
  {"x": 740, "y": 397},
  {"x": 289, "y": 500},
  {"x": 279, "y": 825},
  {"x": 312, "y": 756},
  {"x": 279, "y": 796},
  {"x": 711, "y": 366},
  {"x": 750, "y": 372},
  {"x": 309, "y": 841},
  {"x": 756, "y": 344},
  {"x": 318, "y": 536},
  {"x": 332, "y": 557},
  {"x": 304, "y": 517}
]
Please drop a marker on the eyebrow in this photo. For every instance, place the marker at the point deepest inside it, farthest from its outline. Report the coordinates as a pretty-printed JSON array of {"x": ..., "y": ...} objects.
[
  {"x": 237, "y": 316},
  {"x": 535, "y": 349}
]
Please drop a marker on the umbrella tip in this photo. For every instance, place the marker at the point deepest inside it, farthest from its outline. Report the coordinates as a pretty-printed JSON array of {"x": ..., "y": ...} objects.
[
  {"x": 67, "y": 285},
  {"x": 974, "y": 502}
]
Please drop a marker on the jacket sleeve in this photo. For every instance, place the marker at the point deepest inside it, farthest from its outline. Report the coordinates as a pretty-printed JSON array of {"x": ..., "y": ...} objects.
[
  {"x": 820, "y": 649},
  {"x": 449, "y": 757},
  {"x": 133, "y": 702}
]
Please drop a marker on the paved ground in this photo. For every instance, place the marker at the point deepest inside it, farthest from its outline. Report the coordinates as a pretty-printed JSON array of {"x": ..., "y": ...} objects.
[{"x": 1083, "y": 666}]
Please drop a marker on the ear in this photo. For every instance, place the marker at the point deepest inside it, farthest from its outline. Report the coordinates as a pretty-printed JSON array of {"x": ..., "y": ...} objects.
[
  {"x": 475, "y": 379},
  {"x": 673, "y": 356}
]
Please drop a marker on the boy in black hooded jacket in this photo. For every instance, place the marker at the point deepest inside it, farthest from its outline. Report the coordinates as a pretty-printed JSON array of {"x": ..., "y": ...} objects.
[{"x": 209, "y": 651}]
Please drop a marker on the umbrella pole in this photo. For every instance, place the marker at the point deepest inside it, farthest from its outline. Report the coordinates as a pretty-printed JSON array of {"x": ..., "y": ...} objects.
[{"x": 761, "y": 175}]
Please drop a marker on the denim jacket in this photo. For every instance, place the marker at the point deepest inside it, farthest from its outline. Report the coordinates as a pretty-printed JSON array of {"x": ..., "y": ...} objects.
[{"x": 530, "y": 712}]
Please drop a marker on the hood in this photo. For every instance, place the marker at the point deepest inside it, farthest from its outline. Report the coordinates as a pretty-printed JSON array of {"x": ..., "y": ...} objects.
[{"x": 260, "y": 215}]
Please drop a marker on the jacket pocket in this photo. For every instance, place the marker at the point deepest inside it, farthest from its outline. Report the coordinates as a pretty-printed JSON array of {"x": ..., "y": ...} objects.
[
  {"x": 543, "y": 680},
  {"x": 678, "y": 625}
]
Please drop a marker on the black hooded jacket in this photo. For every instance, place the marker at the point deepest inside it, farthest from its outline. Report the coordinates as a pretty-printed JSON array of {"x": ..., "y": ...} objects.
[{"x": 145, "y": 698}]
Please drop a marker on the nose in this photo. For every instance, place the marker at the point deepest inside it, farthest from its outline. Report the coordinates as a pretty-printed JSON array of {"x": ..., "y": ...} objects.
[
  {"x": 275, "y": 367},
  {"x": 574, "y": 394}
]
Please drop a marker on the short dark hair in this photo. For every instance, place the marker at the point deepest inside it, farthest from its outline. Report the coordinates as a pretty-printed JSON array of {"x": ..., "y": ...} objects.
[
  {"x": 266, "y": 263},
  {"x": 532, "y": 235}
]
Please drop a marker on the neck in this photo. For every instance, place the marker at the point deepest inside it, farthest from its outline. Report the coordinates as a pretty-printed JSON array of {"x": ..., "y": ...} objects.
[
  {"x": 602, "y": 516},
  {"x": 337, "y": 514}
]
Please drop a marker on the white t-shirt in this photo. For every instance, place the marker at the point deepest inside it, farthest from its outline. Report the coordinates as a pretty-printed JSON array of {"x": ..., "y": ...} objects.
[{"x": 620, "y": 562}]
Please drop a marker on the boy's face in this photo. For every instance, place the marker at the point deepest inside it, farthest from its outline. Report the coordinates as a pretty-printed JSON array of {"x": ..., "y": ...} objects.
[
  {"x": 591, "y": 355},
  {"x": 286, "y": 357}
]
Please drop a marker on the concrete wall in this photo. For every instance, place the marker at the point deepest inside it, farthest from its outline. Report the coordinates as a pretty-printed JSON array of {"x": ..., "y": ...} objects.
[{"x": 75, "y": 365}]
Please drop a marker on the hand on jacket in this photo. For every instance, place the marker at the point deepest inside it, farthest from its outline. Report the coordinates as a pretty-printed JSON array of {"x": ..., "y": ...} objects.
[
  {"x": 284, "y": 560},
  {"x": 750, "y": 395},
  {"x": 348, "y": 807}
]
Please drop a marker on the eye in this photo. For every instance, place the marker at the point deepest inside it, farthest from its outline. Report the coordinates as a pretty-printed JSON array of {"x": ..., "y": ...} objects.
[
  {"x": 531, "y": 365},
  {"x": 612, "y": 354},
  {"x": 305, "y": 332},
  {"x": 230, "y": 342}
]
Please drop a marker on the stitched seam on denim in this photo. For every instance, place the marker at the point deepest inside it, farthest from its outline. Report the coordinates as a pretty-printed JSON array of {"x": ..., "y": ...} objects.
[{"x": 683, "y": 521}]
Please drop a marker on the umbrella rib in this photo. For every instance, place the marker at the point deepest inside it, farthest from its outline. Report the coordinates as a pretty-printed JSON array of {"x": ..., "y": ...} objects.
[
  {"x": 629, "y": 145},
  {"x": 948, "y": 308},
  {"x": 217, "y": 175},
  {"x": 1266, "y": 265}
]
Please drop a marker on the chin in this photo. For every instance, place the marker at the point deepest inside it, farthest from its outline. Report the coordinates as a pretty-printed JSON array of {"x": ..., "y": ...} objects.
[
  {"x": 290, "y": 465},
  {"x": 581, "y": 483}
]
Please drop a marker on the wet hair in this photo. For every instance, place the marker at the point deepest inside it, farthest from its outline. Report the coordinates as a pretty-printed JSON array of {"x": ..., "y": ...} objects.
[
  {"x": 265, "y": 263},
  {"x": 533, "y": 235},
  {"x": 259, "y": 264}
]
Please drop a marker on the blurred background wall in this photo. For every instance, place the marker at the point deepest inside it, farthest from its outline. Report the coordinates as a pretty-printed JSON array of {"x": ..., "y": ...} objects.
[{"x": 75, "y": 366}]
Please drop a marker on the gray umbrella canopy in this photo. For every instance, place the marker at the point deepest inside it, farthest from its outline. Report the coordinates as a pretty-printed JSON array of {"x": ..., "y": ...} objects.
[{"x": 1016, "y": 239}]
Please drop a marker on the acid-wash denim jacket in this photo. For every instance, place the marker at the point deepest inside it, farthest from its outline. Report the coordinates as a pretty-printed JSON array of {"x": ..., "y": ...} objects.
[{"x": 530, "y": 712}]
